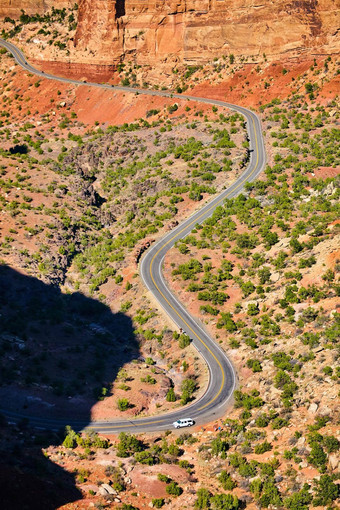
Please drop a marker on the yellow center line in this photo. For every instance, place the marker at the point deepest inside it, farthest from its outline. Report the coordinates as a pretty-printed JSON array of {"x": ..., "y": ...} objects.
[
  {"x": 17, "y": 54},
  {"x": 104, "y": 426},
  {"x": 165, "y": 298},
  {"x": 174, "y": 309}
]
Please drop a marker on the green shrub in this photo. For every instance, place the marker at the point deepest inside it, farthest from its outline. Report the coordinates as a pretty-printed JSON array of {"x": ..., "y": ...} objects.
[
  {"x": 148, "y": 379},
  {"x": 263, "y": 448},
  {"x": 146, "y": 457},
  {"x": 225, "y": 502},
  {"x": 226, "y": 322},
  {"x": 184, "y": 341},
  {"x": 174, "y": 450},
  {"x": 123, "y": 404},
  {"x": 226, "y": 481},
  {"x": 184, "y": 464},
  {"x": 253, "y": 309},
  {"x": 262, "y": 420},
  {"x": 163, "y": 478},
  {"x": 158, "y": 502},
  {"x": 248, "y": 401},
  {"x": 282, "y": 361},
  {"x": 219, "y": 447},
  {"x": 279, "y": 423},
  {"x": 174, "y": 489},
  {"x": 150, "y": 361},
  {"x": 326, "y": 491},
  {"x": 188, "y": 387},
  {"x": 172, "y": 108},
  {"x": 125, "y": 306},
  {"x": 299, "y": 500},
  {"x": 70, "y": 440},
  {"x": 255, "y": 365},
  {"x": 331, "y": 444},
  {"x": 203, "y": 499},
  {"x": 170, "y": 396},
  {"x": 128, "y": 445},
  {"x": 317, "y": 456}
]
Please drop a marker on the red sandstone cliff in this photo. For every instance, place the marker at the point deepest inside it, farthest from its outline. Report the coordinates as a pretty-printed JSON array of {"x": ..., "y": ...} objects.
[
  {"x": 12, "y": 8},
  {"x": 151, "y": 31},
  {"x": 196, "y": 30}
]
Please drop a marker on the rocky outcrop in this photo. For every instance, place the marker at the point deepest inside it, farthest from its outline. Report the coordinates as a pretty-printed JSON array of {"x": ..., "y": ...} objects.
[
  {"x": 13, "y": 8},
  {"x": 77, "y": 70},
  {"x": 149, "y": 31},
  {"x": 193, "y": 31}
]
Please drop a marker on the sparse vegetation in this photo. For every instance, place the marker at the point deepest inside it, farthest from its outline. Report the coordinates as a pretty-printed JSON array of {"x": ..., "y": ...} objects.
[{"x": 80, "y": 202}]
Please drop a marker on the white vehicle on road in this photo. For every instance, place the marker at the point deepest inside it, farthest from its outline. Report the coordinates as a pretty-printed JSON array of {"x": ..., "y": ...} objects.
[{"x": 186, "y": 422}]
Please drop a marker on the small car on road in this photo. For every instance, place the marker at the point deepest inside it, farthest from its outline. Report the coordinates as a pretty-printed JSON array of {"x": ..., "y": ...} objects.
[{"x": 185, "y": 422}]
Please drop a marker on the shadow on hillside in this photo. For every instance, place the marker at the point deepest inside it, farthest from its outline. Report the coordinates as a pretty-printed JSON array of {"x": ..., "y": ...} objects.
[{"x": 58, "y": 352}]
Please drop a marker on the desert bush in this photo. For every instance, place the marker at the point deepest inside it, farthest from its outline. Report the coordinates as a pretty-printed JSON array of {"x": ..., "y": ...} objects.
[
  {"x": 226, "y": 481},
  {"x": 174, "y": 489},
  {"x": 123, "y": 404},
  {"x": 171, "y": 396},
  {"x": 263, "y": 448},
  {"x": 158, "y": 502},
  {"x": 128, "y": 445}
]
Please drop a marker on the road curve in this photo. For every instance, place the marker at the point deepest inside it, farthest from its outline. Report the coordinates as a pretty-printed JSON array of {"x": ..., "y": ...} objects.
[{"x": 222, "y": 380}]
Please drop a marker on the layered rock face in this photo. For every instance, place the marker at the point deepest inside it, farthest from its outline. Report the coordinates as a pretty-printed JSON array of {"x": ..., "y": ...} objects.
[
  {"x": 12, "y": 8},
  {"x": 197, "y": 30},
  {"x": 193, "y": 31}
]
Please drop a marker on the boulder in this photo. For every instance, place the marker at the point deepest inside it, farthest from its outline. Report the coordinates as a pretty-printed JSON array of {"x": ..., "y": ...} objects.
[
  {"x": 313, "y": 408},
  {"x": 107, "y": 489},
  {"x": 333, "y": 462}
]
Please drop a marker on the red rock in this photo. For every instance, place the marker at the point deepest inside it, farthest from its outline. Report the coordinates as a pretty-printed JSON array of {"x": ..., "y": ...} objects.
[{"x": 193, "y": 31}]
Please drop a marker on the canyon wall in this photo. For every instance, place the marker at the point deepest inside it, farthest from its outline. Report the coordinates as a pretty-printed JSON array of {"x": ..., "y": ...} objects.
[
  {"x": 193, "y": 31},
  {"x": 197, "y": 30},
  {"x": 12, "y": 8}
]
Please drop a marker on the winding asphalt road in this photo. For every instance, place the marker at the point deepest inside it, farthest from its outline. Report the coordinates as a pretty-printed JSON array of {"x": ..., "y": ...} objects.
[{"x": 222, "y": 380}]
